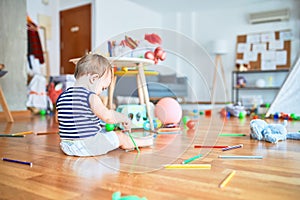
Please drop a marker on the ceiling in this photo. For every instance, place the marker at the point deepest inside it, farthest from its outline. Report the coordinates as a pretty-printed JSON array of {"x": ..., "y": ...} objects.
[{"x": 163, "y": 6}]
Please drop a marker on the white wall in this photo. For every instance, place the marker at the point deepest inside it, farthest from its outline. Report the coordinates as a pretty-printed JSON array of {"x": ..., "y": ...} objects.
[
  {"x": 67, "y": 4},
  {"x": 118, "y": 16},
  {"x": 13, "y": 45},
  {"x": 52, "y": 9},
  {"x": 34, "y": 8},
  {"x": 216, "y": 22},
  {"x": 202, "y": 21}
]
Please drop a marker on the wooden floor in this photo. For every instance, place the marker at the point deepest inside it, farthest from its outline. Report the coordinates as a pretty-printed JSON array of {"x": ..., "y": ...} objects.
[{"x": 57, "y": 176}]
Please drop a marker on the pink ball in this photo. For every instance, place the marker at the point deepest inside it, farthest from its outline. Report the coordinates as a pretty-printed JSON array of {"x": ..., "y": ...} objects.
[{"x": 168, "y": 111}]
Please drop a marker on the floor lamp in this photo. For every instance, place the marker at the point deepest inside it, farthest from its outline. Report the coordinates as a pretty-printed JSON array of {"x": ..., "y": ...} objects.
[{"x": 219, "y": 49}]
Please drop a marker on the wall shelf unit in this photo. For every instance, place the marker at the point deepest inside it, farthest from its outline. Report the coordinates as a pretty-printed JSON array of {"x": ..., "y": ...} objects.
[{"x": 273, "y": 79}]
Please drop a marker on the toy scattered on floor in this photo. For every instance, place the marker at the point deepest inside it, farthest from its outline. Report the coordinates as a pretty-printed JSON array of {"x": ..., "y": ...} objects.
[
  {"x": 19, "y": 134},
  {"x": 227, "y": 179},
  {"x": 117, "y": 196},
  {"x": 240, "y": 157},
  {"x": 242, "y": 115},
  {"x": 232, "y": 134},
  {"x": 47, "y": 133},
  {"x": 293, "y": 116},
  {"x": 43, "y": 112},
  {"x": 232, "y": 147},
  {"x": 223, "y": 112},
  {"x": 255, "y": 117},
  {"x": 191, "y": 124},
  {"x": 185, "y": 119},
  {"x": 109, "y": 127},
  {"x": 191, "y": 159},
  {"x": 133, "y": 141},
  {"x": 261, "y": 130},
  {"x": 168, "y": 111},
  {"x": 145, "y": 137},
  {"x": 208, "y": 146},
  {"x": 285, "y": 116},
  {"x": 10, "y": 135},
  {"x": 276, "y": 116},
  {"x": 158, "y": 122},
  {"x": 207, "y": 112},
  {"x": 146, "y": 125},
  {"x": 137, "y": 114},
  {"x": 235, "y": 109},
  {"x": 17, "y": 161},
  {"x": 188, "y": 166}
]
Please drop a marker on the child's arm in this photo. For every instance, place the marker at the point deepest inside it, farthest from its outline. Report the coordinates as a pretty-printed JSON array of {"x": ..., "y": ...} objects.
[{"x": 108, "y": 116}]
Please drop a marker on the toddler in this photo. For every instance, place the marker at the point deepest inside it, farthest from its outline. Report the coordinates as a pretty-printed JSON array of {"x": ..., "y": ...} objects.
[{"x": 80, "y": 112}]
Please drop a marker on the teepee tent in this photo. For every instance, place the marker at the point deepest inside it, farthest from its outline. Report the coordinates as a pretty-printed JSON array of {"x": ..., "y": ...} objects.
[{"x": 288, "y": 97}]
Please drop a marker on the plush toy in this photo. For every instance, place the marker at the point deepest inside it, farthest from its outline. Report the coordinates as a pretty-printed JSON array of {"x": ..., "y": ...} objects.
[
  {"x": 242, "y": 67},
  {"x": 241, "y": 82},
  {"x": 261, "y": 130}
]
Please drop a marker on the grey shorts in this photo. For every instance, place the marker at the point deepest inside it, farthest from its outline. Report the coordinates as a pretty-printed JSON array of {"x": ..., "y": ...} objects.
[{"x": 99, "y": 144}]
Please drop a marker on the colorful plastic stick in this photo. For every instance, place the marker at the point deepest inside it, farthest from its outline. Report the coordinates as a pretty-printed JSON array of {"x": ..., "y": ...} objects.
[
  {"x": 19, "y": 134},
  {"x": 188, "y": 166},
  {"x": 232, "y": 147},
  {"x": 232, "y": 134},
  {"x": 227, "y": 179},
  {"x": 136, "y": 147},
  {"x": 10, "y": 135},
  {"x": 218, "y": 147},
  {"x": 241, "y": 157},
  {"x": 17, "y": 161},
  {"x": 192, "y": 159}
]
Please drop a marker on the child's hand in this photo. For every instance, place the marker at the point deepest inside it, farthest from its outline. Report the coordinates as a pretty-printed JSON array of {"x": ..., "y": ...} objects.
[{"x": 127, "y": 125}]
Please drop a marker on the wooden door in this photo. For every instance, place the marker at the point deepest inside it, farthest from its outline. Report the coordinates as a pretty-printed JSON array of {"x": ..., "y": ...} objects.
[{"x": 75, "y": 36}]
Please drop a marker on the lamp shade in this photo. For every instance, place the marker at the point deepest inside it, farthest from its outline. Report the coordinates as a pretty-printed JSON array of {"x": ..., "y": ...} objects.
[{"x": 220, "y": 47}]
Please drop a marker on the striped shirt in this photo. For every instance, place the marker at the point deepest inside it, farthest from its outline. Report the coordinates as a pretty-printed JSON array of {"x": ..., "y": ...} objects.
[{"x": 75, "y": 117}]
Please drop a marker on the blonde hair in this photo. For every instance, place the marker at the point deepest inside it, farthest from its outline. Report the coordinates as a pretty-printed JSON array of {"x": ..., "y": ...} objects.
[{"x": 92, "y": 64}]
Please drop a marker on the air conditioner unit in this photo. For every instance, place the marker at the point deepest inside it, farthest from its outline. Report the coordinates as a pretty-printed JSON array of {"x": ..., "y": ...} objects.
[{"x": 269, "y": 16}]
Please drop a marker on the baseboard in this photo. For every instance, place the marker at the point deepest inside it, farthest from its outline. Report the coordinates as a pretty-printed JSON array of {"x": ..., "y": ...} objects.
[{"x": 17, "y": 114}]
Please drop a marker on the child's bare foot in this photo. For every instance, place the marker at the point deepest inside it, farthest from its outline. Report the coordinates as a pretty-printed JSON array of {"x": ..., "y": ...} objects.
[{"x": 126, "y": 142}]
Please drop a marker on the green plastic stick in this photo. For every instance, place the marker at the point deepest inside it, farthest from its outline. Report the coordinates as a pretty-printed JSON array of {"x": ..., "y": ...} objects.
[
  {"x": 192, "y": 159},
  {"x": 137, "y": 148},
  {"x": 232, "y": 134}
]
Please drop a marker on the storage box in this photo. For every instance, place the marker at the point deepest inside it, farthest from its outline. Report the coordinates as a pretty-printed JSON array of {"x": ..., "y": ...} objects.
[{"x": 251, "y": 101}]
